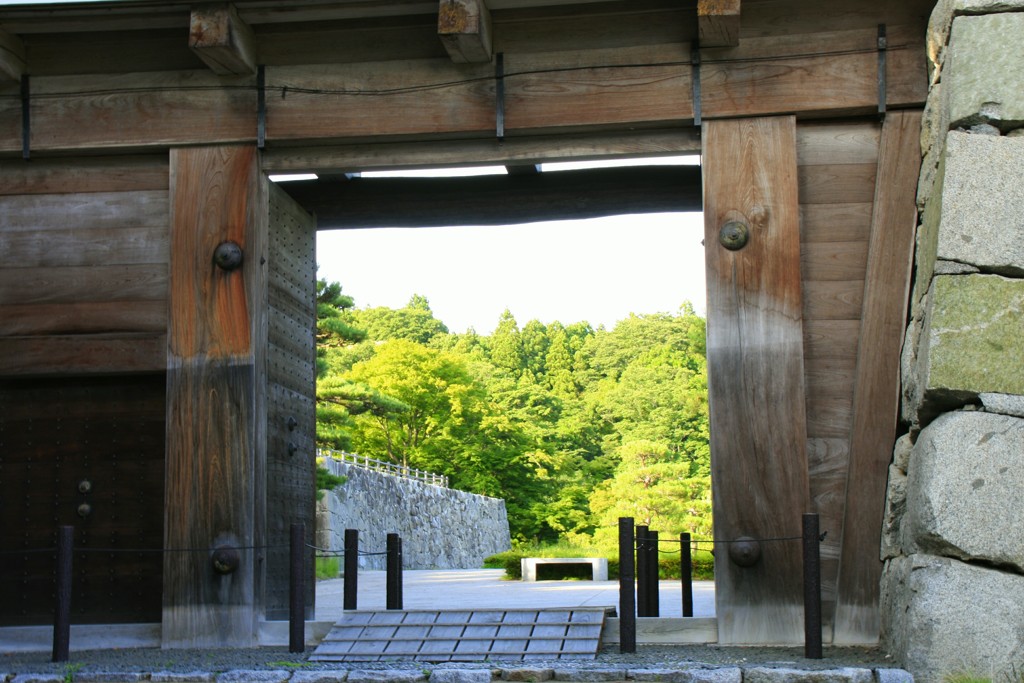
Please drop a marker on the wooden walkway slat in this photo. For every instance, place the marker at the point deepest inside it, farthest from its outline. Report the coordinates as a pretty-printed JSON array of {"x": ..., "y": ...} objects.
[{"x": 463, "y": 635}]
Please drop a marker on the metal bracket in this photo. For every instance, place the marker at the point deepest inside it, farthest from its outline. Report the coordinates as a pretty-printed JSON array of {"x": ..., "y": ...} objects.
[
  {"x": 261, "y": 107},
  {"x": 499, "y": 95},
  {"x": 26, "y": 120},
  {"x": 695, "y": 81},
  {"x": 882, "y": 46}
]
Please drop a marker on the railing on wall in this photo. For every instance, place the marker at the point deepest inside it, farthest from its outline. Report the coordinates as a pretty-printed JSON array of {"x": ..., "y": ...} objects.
[{"x": 384, "y": 467}]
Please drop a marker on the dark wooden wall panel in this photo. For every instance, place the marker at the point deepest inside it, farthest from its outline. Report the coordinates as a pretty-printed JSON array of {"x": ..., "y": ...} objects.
[
  {"x": 55, "y": 434},
  {"x": 83, "y": 266},
  {"x": 291, "y": 392}
]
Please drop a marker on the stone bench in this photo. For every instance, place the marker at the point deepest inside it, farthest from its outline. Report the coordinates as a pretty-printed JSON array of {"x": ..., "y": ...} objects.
[{"x": 598, "y": 566}]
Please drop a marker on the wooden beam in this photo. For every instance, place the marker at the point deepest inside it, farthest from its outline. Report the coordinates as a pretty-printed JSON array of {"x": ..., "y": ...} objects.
[
  {"x": 756, "y": 376},
  {"x": 222, "y": 40},
  {"x": 877, "y": 393},
  {"x": 588, "y": 91},
  {"x": 464, "y": 27},
  {"x": 529, "y": 150},
  {"x": 12, "y": 57},
  {"x": 718, "y": 23},
  {"x": 216, "y": 379},
  {"x": 497, "y": 200}
]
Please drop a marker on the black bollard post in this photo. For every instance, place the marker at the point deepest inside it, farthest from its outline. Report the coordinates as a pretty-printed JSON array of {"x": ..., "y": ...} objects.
[
  {"x": 62, "y": 606},
  {"x": 394, "y": 572},
  {"x": 653, "y": 578},
  {"x": 627, "y": 598},
  {"x": 642, "y": 575},
  {"x": 812, "y": 587},
  {"x": 351, "y": 569},
  {"x": 297, "y": 601},
  {"x": 686, "y": 573}
]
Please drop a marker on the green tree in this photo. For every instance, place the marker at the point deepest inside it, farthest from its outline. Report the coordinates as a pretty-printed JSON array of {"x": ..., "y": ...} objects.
[
  {"x": 506, "y": 345},
  {"x": 654, "y": 486},
  {"x": 334, "y": 327},
  {"x": 414, "y": 322}
]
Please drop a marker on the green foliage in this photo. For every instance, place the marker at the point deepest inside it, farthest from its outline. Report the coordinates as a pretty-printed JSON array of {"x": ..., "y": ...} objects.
[
  {"x": 327, "y": 567},
  {"x": 702, "y": 561},
  {"x": 326, "y": 481},
  {"x": 572, "y": 426}
]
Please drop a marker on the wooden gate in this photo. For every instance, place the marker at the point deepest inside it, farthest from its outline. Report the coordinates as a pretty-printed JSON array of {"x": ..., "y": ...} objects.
[{"x": 804, "y": 330}]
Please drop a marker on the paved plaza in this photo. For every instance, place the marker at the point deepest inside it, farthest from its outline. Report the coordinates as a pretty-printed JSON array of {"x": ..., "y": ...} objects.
[{"x": 486, "y": 589}]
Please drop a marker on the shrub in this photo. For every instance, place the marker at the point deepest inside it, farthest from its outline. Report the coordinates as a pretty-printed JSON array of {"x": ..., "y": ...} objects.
[
  {"x": 509, "y": 561},
  {"x": 702, "y": 561},
  {"x": 327, "y": 567}
]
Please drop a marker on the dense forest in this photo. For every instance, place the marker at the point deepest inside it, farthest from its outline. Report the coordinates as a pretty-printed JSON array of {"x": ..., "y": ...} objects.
[{"x": 573, "y": 426}]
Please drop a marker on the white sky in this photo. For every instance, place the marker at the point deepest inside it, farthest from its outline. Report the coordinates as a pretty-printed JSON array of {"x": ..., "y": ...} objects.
[{"x": 598, "y": 270}]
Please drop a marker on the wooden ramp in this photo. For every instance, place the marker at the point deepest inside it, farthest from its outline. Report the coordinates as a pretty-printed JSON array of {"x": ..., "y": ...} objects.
[{"x": 463, "y": 635}]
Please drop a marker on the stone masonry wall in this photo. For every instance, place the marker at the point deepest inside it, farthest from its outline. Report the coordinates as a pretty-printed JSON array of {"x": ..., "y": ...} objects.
[
  {"x": 440, "y": 528},
  {"x": 953, "y": 542}
]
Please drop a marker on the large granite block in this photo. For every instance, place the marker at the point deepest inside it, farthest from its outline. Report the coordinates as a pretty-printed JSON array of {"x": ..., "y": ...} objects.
[
  {"x": 983, "y": 71},
  {"x": 980, "y": 202},
  {"x": 942, "y": 616},
  {"x": 963, "y": 489},
  {"x": 970, "y": 343}
]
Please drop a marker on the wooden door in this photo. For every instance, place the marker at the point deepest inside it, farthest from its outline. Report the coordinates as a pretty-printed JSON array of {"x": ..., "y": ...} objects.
[
  {"x": 86, "y": 452},
  {"x": 291, "y": 395}
]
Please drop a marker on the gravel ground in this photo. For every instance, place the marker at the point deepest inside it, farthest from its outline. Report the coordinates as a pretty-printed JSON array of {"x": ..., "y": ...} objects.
[{"x": 647, "y": 656}]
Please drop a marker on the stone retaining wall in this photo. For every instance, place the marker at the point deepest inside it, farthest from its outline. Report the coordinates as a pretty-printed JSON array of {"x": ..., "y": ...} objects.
[
  {"x": 440, "y": 528},
  {"x": 953, "y": 542}
]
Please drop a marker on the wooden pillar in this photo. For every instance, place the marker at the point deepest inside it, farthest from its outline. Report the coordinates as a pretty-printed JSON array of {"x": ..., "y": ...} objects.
[
  {"x": 755, "y": 377},
  {"x": 216, "y": 439},
  {"x": 877, "y": 395}
]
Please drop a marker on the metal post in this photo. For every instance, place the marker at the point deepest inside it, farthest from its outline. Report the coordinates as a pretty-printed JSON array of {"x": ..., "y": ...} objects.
[
  {"x": 812, "y": 587},
  {"x": 297, "y": 601},
  {"x": 653, "y": 593},
  {"x": 627, "y": 599},
  {"x": 642, "y": 575},
  {"x": 351, "y": 568},
  {"x": 394, "y": 572},
  {"x": 686, "y": 573},
  {"x": 62, "y": 607}
]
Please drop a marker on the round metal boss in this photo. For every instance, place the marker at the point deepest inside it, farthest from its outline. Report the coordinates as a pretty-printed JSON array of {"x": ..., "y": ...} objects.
[
  {"x": 228, "y": 255},
  {"x": 225, "y": 560},
  {"x": 734, "y": 235},
  {"x": 745, "y": 551}
]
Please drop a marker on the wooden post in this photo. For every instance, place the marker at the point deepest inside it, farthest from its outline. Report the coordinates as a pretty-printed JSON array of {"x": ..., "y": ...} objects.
[
  {"x": 653, "y": 586},
  {"x": 216, "y": 378},
  {"x": 642, "y": 575},
  {"x": 877, "y": 395},
  {"x": 812, "y": 586},
  {"x": 351, "y": 590},
  {"x": 627, "y": 598},
  {"x": 62, "y": 596},
  {"x": 686, "y": 573},
  {"x": 755, "y": 373},
  {"x": 297, "y": 592},
  {"x": 394, "y": 572}
]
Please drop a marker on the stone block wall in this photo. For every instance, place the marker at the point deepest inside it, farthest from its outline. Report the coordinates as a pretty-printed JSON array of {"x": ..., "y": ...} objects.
[
  {"x": 440, "y": 528},
  {"x": 953, "y": 542}
]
